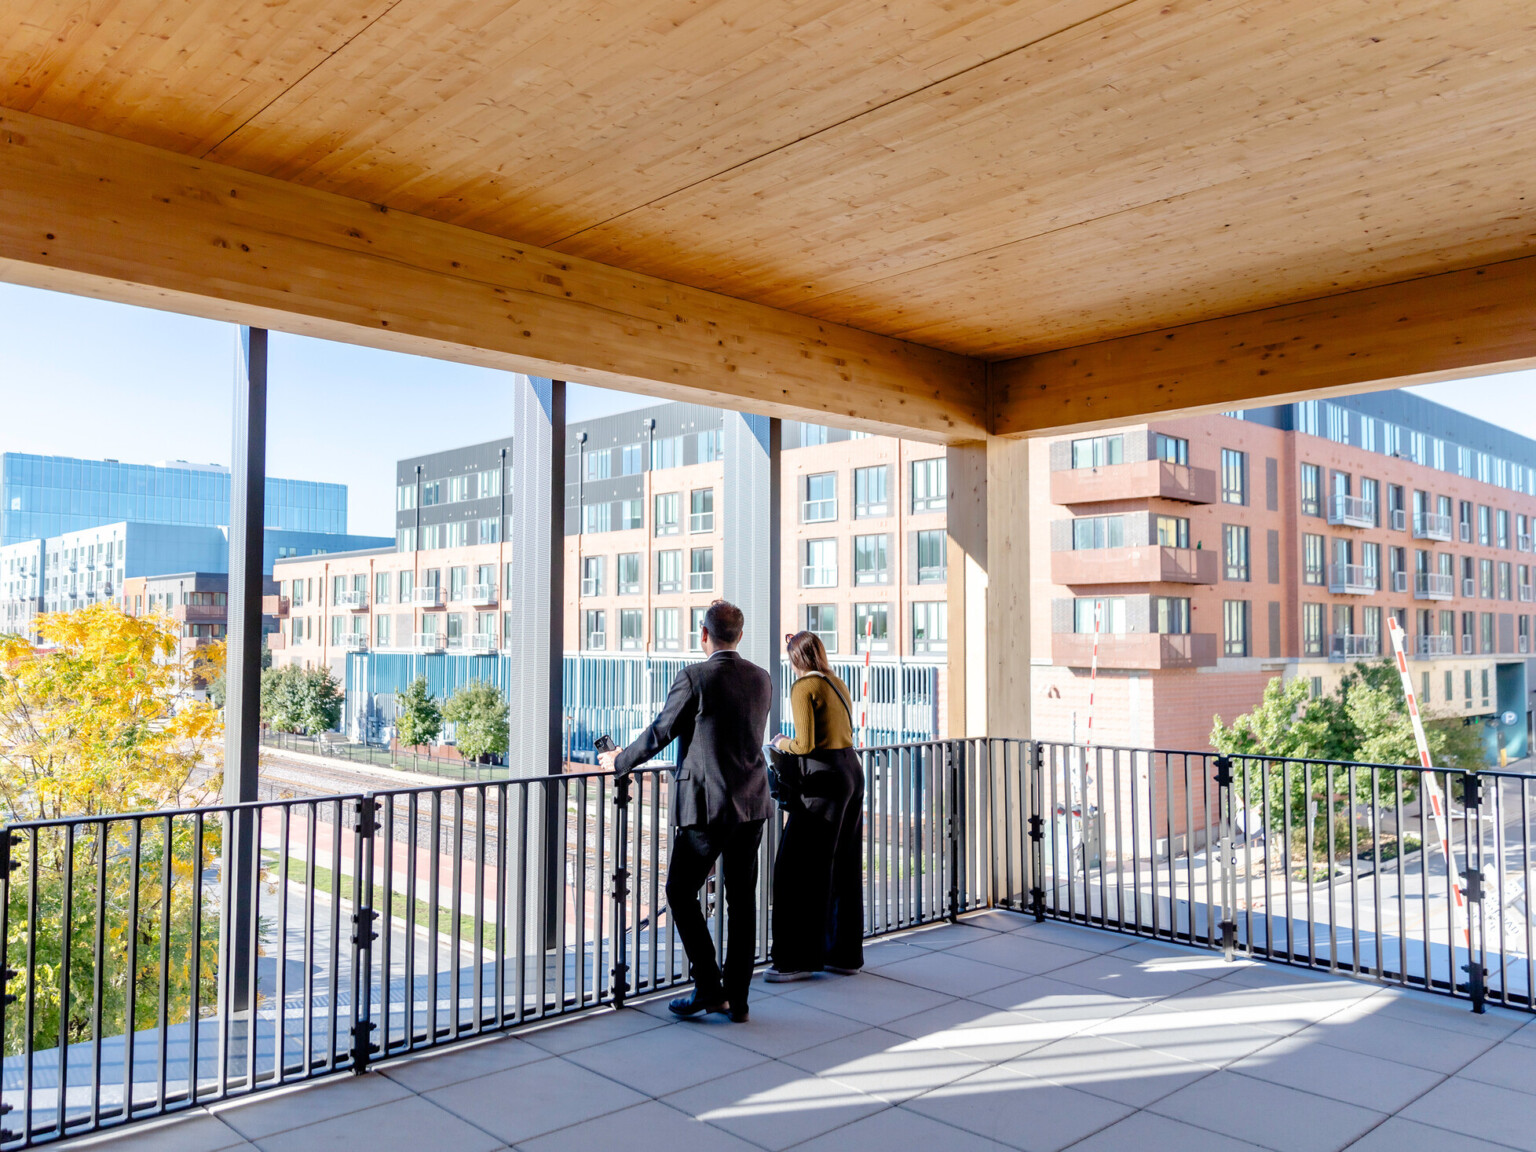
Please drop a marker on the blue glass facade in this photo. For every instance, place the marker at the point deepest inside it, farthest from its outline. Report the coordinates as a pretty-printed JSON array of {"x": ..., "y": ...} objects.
[{"x": 44, "y": 496}]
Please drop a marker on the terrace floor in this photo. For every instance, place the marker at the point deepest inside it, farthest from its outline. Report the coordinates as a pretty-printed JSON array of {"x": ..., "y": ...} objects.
[{"x": 996, "y": 1033}]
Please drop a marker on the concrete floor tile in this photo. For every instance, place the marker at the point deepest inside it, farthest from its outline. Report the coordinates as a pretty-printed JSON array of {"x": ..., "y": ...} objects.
[
  {"x": 780, "y": 1026},
  {"x": 267, "y": 1112},
  {"x": 1143, "y": 980},
  {"x": 408, "y": 1125},
  {"x": 1020, "y": 1111},
  {"x": 195, "y": 1131},
  {"x": 463, "y": 1062},
  {"x": 949, "y": 974},
  {"x": 1121, "y": 1072},
  {"x": 867, "y": 997},
  {"x": 1272, "y": 1010},
  {"x": 1200, "y": 1039},
  {"x": 1507, "y": 1065},
  {"x": 1445, "y": 1013},
  {"x": 997, "y": 920},
  {"x": 1484, "y": 1111},
  {"x": 564, "y": 1036},
  {"x": 938, "y": 937},
  {"x": 1399, "y": 1135},
  {"x": 1021, "y": 953},
  {"x": 1359, "y": 1030},
  {"x": 983, "y": 1033},
  {"x": 665, "y": 1060},
  {"x": 1353, "y": 1077},
  {"x": 775, "y": 1105},
  {"x": 525, "y": 1102},
  {"x": 648, "y": 1127},
  {"x": 1270, "y": 1115},
  {"x": 1147, "y": 1132},
  {"x": 898, "y": 1130},
  {"x": 884, "y": 1065},
  {"x": 1047, "y": 998},
  {"x": 1074, "y": 935}
]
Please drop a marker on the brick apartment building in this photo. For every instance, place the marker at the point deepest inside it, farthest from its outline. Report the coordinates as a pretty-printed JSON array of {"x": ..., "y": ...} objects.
[
  {"x": 1219, "y": 552},
  {"x": 863, "y": 553}
]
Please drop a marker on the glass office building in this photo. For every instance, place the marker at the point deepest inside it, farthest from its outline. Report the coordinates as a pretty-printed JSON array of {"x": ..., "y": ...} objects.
[{"x": 43, "y": 496}]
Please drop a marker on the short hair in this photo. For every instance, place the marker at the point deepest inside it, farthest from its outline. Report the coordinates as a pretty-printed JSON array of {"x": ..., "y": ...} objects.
[{"x": 724, "y": 622}]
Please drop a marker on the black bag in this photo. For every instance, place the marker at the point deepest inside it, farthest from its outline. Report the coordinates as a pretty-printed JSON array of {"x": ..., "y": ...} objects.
[{"x": 786, "y": 771}]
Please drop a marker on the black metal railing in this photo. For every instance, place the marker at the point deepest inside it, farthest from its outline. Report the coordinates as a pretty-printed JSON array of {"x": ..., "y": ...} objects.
[{"x": 143, "y": 975}]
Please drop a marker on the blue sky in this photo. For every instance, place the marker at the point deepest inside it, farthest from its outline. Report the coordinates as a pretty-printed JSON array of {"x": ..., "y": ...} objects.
[{"x": 82, "y": 377}]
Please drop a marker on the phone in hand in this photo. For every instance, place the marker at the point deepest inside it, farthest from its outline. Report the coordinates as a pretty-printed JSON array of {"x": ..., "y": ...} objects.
[{"x": 604, "y": 743}]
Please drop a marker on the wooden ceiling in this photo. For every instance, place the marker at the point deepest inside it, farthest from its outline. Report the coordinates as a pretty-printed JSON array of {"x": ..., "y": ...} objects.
[{"x": 993, "y": 178}]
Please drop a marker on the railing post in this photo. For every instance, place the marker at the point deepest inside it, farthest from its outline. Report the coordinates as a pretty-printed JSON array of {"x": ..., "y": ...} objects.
[
  {"x": 954, "y": 823},
  {"x": 8, "y": 862},
  {"x": 364, "y": 916},
  {"x": 1035, "y": 754},
  {"x": 1224, "y": 850},
  {"x": 620, "y": 889},
  {"x": 1477, "y": 924}
]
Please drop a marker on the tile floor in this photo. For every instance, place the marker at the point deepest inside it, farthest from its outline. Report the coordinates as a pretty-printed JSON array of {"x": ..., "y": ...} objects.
[{"x": 994, "y": 1034}]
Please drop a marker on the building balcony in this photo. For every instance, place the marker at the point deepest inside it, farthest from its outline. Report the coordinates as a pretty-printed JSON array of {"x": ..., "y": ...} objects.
[
  {"x": 1398, "y": 519},
  {"x": 275, "y": 641},
  {"x": 1353, "y": 580},
  {"x": 352, "y": 642},
  {"x": 1429, "y": 647},
  {"x": 1135, "y": 650},
  {"x": 1433, "y": 586},
  {"x": 1522, "y": 542},
  {"x": 1432, "y": 526},
  {"x": 1145, "y": 565},
  {"x": 1145, "y": 478},
  {"x": 275, "y": 606},
  {"x": 428, "y": 641},
  {"x": 428, "y": 596},
  {"x": 1352, "y": 511},
  {"x": 480, "y": 594},
  {"x": 483, "y": 642},
  {"x": 1525, "y": 592},
  {"x": 200, "y": 613},
  {"x": 1352, "y": 646},
  {"x": 355, "y": 600}
]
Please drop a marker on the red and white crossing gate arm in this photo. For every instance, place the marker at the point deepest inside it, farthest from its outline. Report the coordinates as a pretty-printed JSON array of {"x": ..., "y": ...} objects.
[
  {"x": 869, "y": 644},
  {"x": 1428, "y": 785},
  {"x": 1093, "y": 673}
]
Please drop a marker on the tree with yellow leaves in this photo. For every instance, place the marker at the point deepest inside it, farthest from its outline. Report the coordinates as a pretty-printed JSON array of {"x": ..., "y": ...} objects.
[{"x": 100, "y": 718}]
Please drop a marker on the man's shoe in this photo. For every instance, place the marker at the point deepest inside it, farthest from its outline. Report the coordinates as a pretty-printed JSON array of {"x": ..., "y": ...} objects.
[
  {"x": 738, "y": 1015},
  {"x": 696, "y": 1005},
  {"x": 833, "y": 968},
  {"x": 774, "y": 976}
]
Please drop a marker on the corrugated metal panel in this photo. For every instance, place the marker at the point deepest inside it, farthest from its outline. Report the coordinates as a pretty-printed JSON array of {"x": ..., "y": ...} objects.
[
  {"x": 746, "y": 529},
  {"x": 527, "y": 599}
]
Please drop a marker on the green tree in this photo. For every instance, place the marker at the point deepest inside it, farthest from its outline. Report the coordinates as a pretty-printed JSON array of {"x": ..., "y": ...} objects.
[
  {"x": 418, "y": 719},
  {"x": 302, "y": 700},
  {"x": 479, "y": 715}
]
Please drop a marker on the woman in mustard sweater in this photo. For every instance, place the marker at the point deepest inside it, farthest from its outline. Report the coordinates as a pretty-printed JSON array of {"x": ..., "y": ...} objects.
[{"x": 818, "y": 876}]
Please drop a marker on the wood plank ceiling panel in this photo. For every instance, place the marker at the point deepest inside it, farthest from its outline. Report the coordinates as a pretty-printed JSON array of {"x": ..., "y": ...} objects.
[
  {"x": 177, "y": 74},
  {"x": 1164, "y": 163}
]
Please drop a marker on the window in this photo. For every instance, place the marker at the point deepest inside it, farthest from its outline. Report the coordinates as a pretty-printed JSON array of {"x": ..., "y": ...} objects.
[
  {"x": 1484, "y": 524},
  {"x": 930, "y": 485},
  {"x": 669, "y": 571},
  {"x": 381, "y": 631},
  {"x": 695, "y": 623},
  {"x": 1311, "y": 629},
  {"x": 666, "y": 515},
  {"x": 666, "y": 452},
  {"x": 701, "y": 570},
  {"x": 820, "y": 564},
  {"x": 1234, "y": 476},
  {"x": 871, "y": 628},
  {"x": 708, "y": 446},
  {"x": 592, "y": 575},
  {"x": 456, "y": 534},
  {"x": 820, "y": 498},
  {"x": 1098, "y": 451},
  {"x": 631, "y": 459},
  {"x": 871, "y": 560},
  {"x": 932, "y": 557},
  {"x": 632, "y": 513},
  {"x": 407, "y": 587},
  {"x": 490, "y": 530},
  {"x": 595, "y": 629},
  {"x": 869, "y": 492},
  {"x": 812, "y": 435},
  {"x": 1235, "y": 627},
  {"x": 1503, "y": 528},
  {"x": 431, "y": 536},
  {"x": 1370, "y": 491},
  {"x": 1485, "y": 579},
  {"x": 629, "y": 574},
  {"x": 599, "y": 464},
  {"x": 1170, "y": 448},
  {"x": 701, "y": 510},
  {"x": 1371, "y": 623},
  {"x": 1504, "y": 589},
  {"x": 1173, "y": 532},
  {"x": 1091, "y": 532},
  {"x": 432, "y": 494},
  {"x": 1312, "y": 551},
  {"x": 930, "y": 626},
  {"x": 1234, "y": 551},
  {"x": 1370, "y": 560},
  {"x": 664, "y": 630},
  {"x": 1104, "y": 614},
  {"x": 405, "y": 497},
  {"x": 821, "y": 619},
  {"x": 458, "y": 581},
  {"x": 1170, "y": 615},
  {"x": 1485, "y": 625},
  {"x": 631, "y": 627}
]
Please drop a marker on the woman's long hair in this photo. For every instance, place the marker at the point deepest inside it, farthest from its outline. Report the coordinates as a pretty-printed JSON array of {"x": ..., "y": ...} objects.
[{"x": 807, "y": 654}]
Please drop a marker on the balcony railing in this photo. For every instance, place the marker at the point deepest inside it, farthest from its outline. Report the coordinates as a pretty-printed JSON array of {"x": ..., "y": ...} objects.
[
  {"x": 1433, "y": 586},
  {"x": 481, "y": 593},
  {"x": 818, "y": 511},
  {"x": 1143, "y": 843},
  {"x": 1526, "y": 592},
  {"x": 1468, "y": 645},
  {"x": 1399, "y": 581},
  {"x": 1465, "y": 532},
  {"x": 1431, "y": 526},
  {"x": 1352, "y": 580},
  {"x": 428, "y": 641},
  {"x": 352, "y": 642},
  {"x": 701, "y": 581},
  {"x": 591, "y": 586},
  {"x": 1523, "y": 644},
  {"x": 274, "y": 606},
  {"x": 1352, "y": 511},
  {"x": 428, "y": 596},
  {"x": 1399, "y": 518},
  {"x": 1468, "y": 586},
  {"x": 351, "y": 598},
  {"x": 1143, "y": 478},
  {"x": 1523, "y": 541},
  {"x": 1351, "y": 646},
  {"x": 815, "y": 577},
  {"x": 1427, "y": 645},
  {"x": 483, "y": 642}
]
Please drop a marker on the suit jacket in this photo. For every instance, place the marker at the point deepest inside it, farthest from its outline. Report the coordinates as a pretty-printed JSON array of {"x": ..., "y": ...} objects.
[{"x": 717, "y": 710}]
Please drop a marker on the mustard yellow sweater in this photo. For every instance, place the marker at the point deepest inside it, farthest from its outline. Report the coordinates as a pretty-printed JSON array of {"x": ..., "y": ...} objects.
[{"x": 822, "y": 721}]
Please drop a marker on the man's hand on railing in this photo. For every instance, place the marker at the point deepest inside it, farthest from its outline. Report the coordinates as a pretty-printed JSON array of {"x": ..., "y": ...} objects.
[{"x": 606, "y": 760}]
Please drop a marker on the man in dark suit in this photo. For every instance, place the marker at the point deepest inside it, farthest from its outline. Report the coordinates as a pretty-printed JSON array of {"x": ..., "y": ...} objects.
[{"x": 717, "y": 710}]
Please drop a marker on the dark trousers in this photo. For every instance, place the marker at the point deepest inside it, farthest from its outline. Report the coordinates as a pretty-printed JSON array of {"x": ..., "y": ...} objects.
[
  {"x": 694, "y": 852},
  {"x": 818, "y": 876}
]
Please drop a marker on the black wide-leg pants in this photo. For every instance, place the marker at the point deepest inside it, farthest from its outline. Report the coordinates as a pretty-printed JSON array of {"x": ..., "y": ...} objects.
[
  {"x": 818, "y": 876},
  {"x": 694, "y": 852}
]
